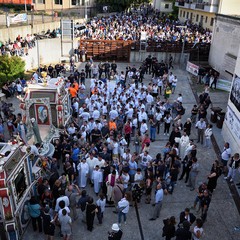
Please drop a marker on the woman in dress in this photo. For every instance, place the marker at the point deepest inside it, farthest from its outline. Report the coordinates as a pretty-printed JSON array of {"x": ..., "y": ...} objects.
[
  {"x": 48, "y": 226},
  {"x": 213, "y": 176}
]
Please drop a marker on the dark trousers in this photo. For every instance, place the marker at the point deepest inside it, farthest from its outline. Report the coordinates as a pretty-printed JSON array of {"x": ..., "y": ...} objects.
[
  {"x": 200, "y": 135},
  {"x": 166, "y": 127},
  {"x": 35, "y": 221},
  {"x": 185, "y": 171},
  {"x": 128, "y": 139},
  {"x": 100, "y": 217}
]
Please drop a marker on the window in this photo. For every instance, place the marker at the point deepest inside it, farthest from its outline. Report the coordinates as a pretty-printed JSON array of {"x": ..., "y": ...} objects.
[
  {"x": 41, "y": 1},
  {"x": 166, "y": 6},
  {"x": 58, "y": 2},
  {"x": 76, "y": 2},
  {"x": 197, "y": 18},
  {"x": 180, "y": 13},
  {"x": 187, "y": 15},
  {"x": 191, "y": 16},
  {"x": 184, "y": 14},
  {"x": 206, "y": 19},
  {"x": 212, "y": 21}
]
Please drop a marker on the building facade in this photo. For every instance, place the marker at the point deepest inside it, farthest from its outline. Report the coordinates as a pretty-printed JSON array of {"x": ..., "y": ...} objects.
[
  {"x": 164, "y": 6},
  {"x": 198, "y": 11},
  {"x": 49, "y": 5},
  {"x": 226, "y": 33},
  {"x": 203, "y": 12},
  {"x": 231, "y": 125}
]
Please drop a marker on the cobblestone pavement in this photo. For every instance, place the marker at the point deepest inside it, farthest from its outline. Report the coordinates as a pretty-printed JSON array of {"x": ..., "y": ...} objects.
[{"x": 222, "y": 215}]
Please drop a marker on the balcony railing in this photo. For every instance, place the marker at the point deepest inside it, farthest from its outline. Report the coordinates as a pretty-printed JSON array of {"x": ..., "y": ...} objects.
[{"x": 200, "y": 6}]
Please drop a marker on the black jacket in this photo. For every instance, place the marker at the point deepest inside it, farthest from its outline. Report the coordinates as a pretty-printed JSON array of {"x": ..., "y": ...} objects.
[{"x": 191, "y": 217}]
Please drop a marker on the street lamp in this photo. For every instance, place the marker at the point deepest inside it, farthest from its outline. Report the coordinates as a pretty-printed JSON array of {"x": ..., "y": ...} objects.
[
  {"x": 25, "y": 5},
  {"x": 183, "y": 46},
  {"x": 85, "y": 3}
]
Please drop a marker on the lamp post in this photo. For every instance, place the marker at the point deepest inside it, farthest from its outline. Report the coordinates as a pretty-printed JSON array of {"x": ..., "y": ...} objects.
[
  {"x": 183, "y": 46},
  {"x": 85, "y": 4},
  {"x": 25, "y": 5}
]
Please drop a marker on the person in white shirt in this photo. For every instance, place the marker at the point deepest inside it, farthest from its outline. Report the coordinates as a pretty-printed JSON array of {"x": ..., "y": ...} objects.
[
  {"x": 142, "y": 115},
  {"x": 95, "y": 114},
  {"x": 144, "y": 159},
  {"x": 208, "y": 134},
  {"x": 123, "y": 207},
  {"x": 174, "y": 84},
  {"x": 61, "y": 198},
  {"x": 97, "y": 179},
  {"x": 71, "y": 130},
  {"x": 92, "y": 162},
  {"x": 125, "y": 179},
  {"x": 85, "y": 115},
  {"x": 143, "y": 127},
  {"x": 160, "y": 85},
  {"x": 179, "y": 99},
  {"x": 198, "y": 232},
  {"x": 170, "y": 78},
  {"x": 183, "y": 143},
  {"x": 201, "y": 126},
  {"x": 129, "y": 112},
  {"x": 226, "y": 154},
  {"x": 113, "y": 114}
]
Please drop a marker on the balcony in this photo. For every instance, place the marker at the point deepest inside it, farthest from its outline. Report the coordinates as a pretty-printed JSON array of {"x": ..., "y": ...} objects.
[
  {"x": 182, "y": 4},
  {"x": 211, "y": 7},
  {"x": 199, "y": 6}
]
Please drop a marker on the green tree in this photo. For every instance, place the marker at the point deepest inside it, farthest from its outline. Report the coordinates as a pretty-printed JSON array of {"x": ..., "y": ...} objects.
[{"x": 10, "y": 68}]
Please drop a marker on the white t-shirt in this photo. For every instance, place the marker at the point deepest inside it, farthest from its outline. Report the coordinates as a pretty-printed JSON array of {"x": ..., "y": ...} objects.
[
  {"x": 195, "y": 230},
  {"x": 226, "y": 154}
]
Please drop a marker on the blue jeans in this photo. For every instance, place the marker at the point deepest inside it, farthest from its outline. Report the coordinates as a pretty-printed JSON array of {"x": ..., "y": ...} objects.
[
  {"x": 153, "y": 133},
  {"x": 207, "y": 142},
  {"x": 120, "y": 214}
]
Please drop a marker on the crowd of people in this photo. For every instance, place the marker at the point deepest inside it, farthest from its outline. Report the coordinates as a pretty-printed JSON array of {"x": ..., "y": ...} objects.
[
  {"x": 18, "y": 47},
  {"x": 108, "y": 146},
  {"x": 130, "y": 26}
]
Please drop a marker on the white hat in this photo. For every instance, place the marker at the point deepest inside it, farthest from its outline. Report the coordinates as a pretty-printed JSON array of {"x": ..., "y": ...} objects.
[
  {"x": 32, "y": 120},
  {"x": 115, "y": 227}
]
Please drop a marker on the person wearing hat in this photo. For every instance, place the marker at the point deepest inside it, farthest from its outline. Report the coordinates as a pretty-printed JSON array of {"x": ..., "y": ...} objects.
[{"x": 116, "y": 233}]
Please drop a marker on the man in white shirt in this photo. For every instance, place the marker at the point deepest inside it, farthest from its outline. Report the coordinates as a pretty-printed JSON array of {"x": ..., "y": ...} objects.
[
  {"x": 143, "y": 127},
  {"x": 144, "y": 159},
  {"x": 226, "y": 154},
  {"x": 142, "y": 115},
  {"x": 113, "y": 114},
  {"x": 61, "y": 198},
  {"x": 201, "y": 126},
  {"x": 96, "y": 113}
]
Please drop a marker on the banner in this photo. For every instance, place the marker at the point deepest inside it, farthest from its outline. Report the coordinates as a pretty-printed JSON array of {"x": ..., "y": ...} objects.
[
  {"x": 192, "y": 68},
  {"x": 235, "y": 93},
  {"x": 19, "y": 18},
  {"x": 233, "y": 123},
  {"x": 224, "y": 85}
]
